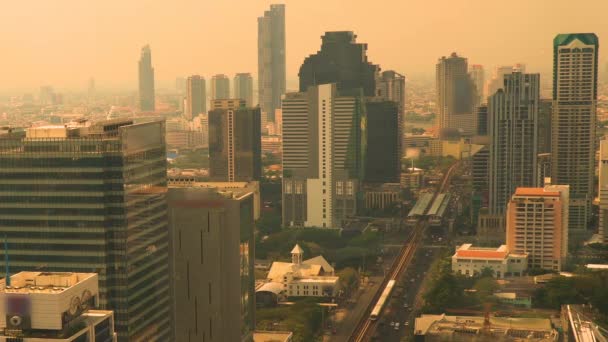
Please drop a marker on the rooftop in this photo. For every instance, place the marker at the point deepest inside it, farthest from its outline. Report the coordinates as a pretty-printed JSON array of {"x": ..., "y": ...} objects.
[
  {"x": 535, "y": 192},
  {"x": 468, "y": 251},
  {"x": 43, "y": 282}
]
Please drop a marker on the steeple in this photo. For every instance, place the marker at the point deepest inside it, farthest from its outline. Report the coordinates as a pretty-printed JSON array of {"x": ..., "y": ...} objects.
[{"x": 296, "y": 255}]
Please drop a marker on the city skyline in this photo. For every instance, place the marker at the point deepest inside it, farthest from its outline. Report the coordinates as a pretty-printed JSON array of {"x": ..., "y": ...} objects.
[{"x": 108, "y": 56}]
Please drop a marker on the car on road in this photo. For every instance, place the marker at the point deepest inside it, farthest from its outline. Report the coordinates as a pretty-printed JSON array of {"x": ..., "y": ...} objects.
[
  {"x": 406, "y": 323},
  {"x": 392, "y": 324},
  {"x": 405, "y": 305},
  {"x": 397, "y": 326}
]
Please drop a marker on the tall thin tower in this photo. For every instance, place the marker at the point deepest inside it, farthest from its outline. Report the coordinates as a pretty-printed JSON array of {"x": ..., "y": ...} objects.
[
  {"x": 575, "y": 64},
  {"x": 271, "y": 59},
  {"x": 146, "y": 80},
  {"x": 455, "y": 95}
]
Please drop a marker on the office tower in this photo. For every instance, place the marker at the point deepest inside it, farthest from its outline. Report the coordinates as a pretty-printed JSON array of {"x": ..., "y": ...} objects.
[
  {"x": 513, "y": 113},
  {"x": 271, "y": 59},
  {"x": 543, "y": 168},
  {"x": 323, "y": 156},
  {"x": 278, "y": 122},
  {"x": 212, "y": 241},
  {"x": 479, "y": 78},
  {"x": 234, "y": 142},
  {"x": 482, "y": 119},
  {"x": 146, "y": 81},
  {"x": 196, "y": 97},
  {"x": 456, "y": 96},
  {"x": 383, "y": 161},
  {"x": 545, "y": 113},
  {"x": 603, "y": 191},
  {"x": 497, "y": 80},
  {"x": 220, "y": 87},
  {"x": 537, "y": 224},
  {"x": 90, "y": 198},
  {"x": 573, "y": 123},
  {"x": 390, "y": 86},
  {"x": 243, "y": 88},
  {"x": 48, "y": 306},
  {"x": 341, "y": 60}
]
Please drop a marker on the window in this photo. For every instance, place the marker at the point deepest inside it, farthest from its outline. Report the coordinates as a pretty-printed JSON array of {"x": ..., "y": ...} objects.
[
  {"x": 339, "y": 188},
  {"x": 287, "y": 187}
]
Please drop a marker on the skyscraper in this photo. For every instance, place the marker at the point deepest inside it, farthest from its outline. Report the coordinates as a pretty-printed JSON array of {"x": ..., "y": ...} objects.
[
  {"x": 497, "y": 80},
  {"x": 456, "y": 96},
  {"x": 574, "y": 116},
  {"x": 383, "y": 161},
  {"x": 91, "y": 198},
  {"x": 220, "y": 87},
  {"x": 513, "y": 113},
  {"x": 212, "y": 241},
  {"x": 323, "y": 156},
  {"x": 243, "y": 88},
  {"x": 234, "y": 142},
  {"x": 271, "y": 59},
  {"x": 341, "y": 60},
  {"x": 603, "y": 191},
  {"x": 390, "y": 86},
  {"x": 196, "y": 97},
  {"x": 146, "y": 81},
  {"x": 479, "y": 78},
  {"x": 545, "y": 113},
  {"x": 537, "y": 224}
]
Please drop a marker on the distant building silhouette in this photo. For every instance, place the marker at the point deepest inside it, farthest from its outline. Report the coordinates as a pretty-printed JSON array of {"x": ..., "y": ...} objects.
[
  {"x": 271, "y": 59},
  {"x": 456, "y": 96},
  {"x": 243, "y": 88},
  {"x": 146, "y": 81},
  {"x": 220, "y": 87},
  {"x": 196, "y": 97}
]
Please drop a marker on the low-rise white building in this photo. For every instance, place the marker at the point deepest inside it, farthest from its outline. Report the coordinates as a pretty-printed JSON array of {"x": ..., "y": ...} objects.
[
  {"x": 299, "y": 278},
  {"x": 470, "y": 261}
]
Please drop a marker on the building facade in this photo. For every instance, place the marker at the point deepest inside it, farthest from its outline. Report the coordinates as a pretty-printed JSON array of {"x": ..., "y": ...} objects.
[
  {"x": 478, "y": 76},
  {"x": 271, "y": 59},
  {"x": 234, "y": 142},
  {"x": 456, "y": 95},
  {"x": 390, "y": 86},
  {"x": 91, "y": 198},
  {"x": 603, "y": 191},
  {"x": 243, "y": 88},
  {"x": 146, "y": 81},
  {"x": 196, "y": 97},
  {"x": 471, "y": 261},
  {"x": 220, "y": 87},
  {"x": 323, "y": 156},
  {"x": 212, "y": 263},
  {"x": 383, "y": 159},
  {"x": 341, "y": 60},
  {"x": 575, "y": 62},
  {"x": 537, "y": 224},
  {"x": 513, "y": 112}
]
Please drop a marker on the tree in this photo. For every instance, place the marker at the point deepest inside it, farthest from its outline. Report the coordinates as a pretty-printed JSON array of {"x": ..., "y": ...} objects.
[
  {"x": 349, "y": 280},
  {"x": 485, "y": 288},
  {"x": 487, "y": 272}
]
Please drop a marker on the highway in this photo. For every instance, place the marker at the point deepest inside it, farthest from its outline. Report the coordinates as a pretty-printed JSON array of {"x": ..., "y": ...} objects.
[{"x": 366, "y": 327}]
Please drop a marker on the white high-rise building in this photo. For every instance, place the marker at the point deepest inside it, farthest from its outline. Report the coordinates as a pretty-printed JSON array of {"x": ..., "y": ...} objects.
[
  {"x": 573, "y": 123},
  {"x": 322, "y": 156}
]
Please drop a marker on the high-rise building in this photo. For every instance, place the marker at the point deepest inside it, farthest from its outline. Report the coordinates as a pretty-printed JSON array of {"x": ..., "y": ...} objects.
[
  {"x": 537, "y": 224},
  {"x": 220, "y": 87},
  {"x": 573, "y": 123},
  {"x": 456, "y": 96},
  {"x": 390, "y": 86},
  {"x": 603, "y": 191},
  {"x": 90, "y": 198},
  {"x": 323, "y": 156},
  {"x": 234, "y": 142},
  {"x": 498, "y": 76},
  {"x": 278, "y": 122},
  {"x": 383, "y": 161},
  {"x": 479, "y": 79},
  {"x": 212, "y": 258},
  {"x": 341, "y": 60},
  {"x": 513, "y": 113},
  {"x": 49, "y": 306},
  {"x": 271, "y": 59},
  {"x": 482, "y": 119},
  {"x": 146, "y": 81},
  {"x": 545, "y": 113},
  {"x": 243, "y": 88},
  {"x": 196, "y": 97}
]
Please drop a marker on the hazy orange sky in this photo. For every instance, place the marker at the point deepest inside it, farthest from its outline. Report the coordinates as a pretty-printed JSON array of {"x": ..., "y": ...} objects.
[{"x": 64, "y": 42}]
